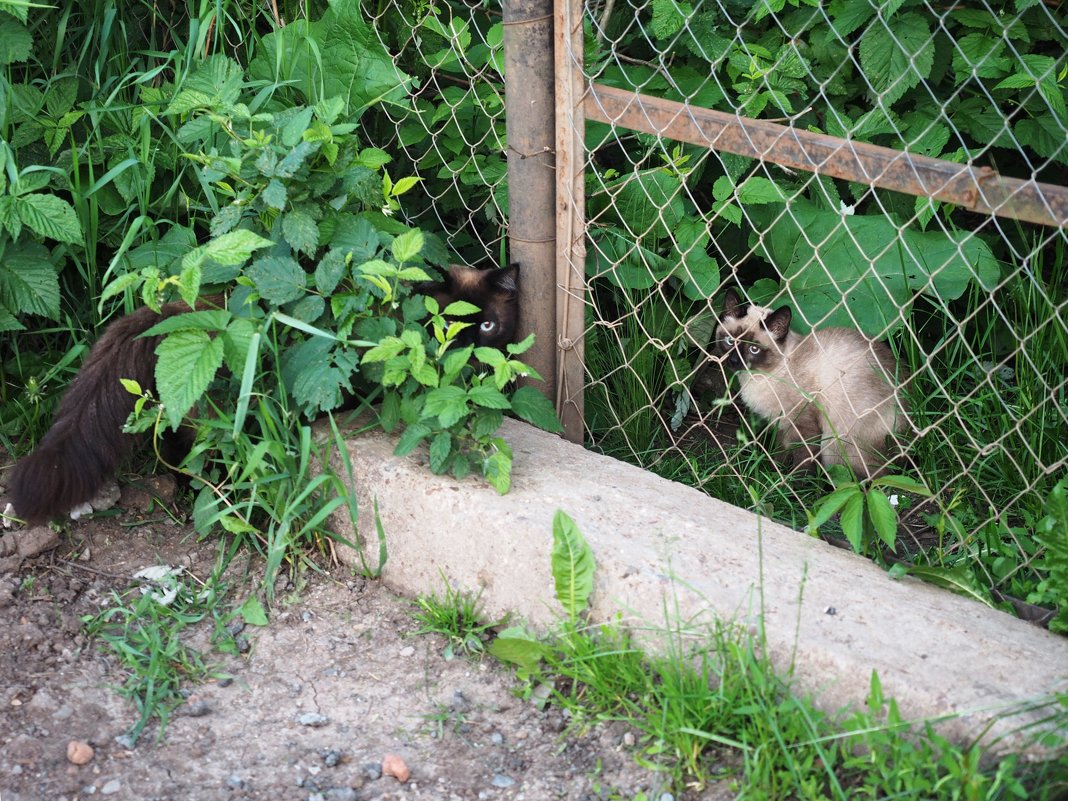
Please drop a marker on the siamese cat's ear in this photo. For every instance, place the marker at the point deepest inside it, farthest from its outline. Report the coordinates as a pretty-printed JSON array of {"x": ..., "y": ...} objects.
[
  {"x": 732, "y": 305},
  {"x": 778, "y": 323},
  {"x": 507, "y": 278}
]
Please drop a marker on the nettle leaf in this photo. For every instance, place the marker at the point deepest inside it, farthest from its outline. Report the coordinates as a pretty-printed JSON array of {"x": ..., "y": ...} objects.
[
  {"x": 670, "y": 17},
  {"x": 407, "y": 246},
  {"x": 532, "y": 406},
  {"x": 411, "y": 437},
  {"x": 572, "y": 565},
  {"x": 448, "y": 404},
  {"x": 897, "y": 54},
  {"x": 488, "y": 396},
  {"x": 278, "y": 279},
  {"x": 440, "y": 448},
  {"x": 648, "y": 203},
  {"x": 29, "y": 283},
  {"x": 15, "y": 40},
  {"x": 330, "y": 270},
  {"x": 186, "y": 363},
  {"x": 50, "y": 216},
  {"x": 497, "y": 467},
  {"x": 275, "y": 194},
  {"x": 235, "y": 247},
  {"x": 301, "y": 231}
]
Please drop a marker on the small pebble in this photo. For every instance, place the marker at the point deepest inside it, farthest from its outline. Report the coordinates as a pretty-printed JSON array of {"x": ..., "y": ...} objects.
[
  {"x": 341, "y": 794},
  {"x": 372, "y": 770},
  {"x": 331, "y": 758},
  {"x": 312, "y": 719},
  {"x": 79, "y": 753},
  {"x": 496, "y": 738},
  {"x": 500, "y": 780},
  {"x": 407, "y": 651},
  {"x": 111, "y": 787},
  {"x": 628, "y": 739},
  {"x": 395, "y": 766}
]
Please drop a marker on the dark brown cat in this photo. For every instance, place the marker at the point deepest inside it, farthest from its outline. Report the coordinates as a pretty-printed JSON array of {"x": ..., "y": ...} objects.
[
  {"x": 85, "y": 445},
  {"x": 834, "y": 393}
]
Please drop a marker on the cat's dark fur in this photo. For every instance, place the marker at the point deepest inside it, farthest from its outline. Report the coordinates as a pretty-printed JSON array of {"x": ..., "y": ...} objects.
[
  {"x": 833, "y": 392},
  {"x": 85, "y": 445}
]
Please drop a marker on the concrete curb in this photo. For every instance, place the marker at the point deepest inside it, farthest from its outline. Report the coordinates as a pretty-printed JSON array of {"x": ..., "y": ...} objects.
[{"x": 666, "y": 552}]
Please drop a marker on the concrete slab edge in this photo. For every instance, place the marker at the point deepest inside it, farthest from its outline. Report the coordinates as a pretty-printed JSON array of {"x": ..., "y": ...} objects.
[{"x": 670, "y": 556}]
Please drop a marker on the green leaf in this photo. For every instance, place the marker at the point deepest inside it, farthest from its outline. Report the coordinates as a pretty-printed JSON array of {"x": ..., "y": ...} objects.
[
  {"x": 756, "y": 190},
  {"x": 572, "y": 566},
  {"x": 407, "y": 246},
  {"x": 15, "y": 40},
  {"x": 531, "y": 405},
  {"x": 828, "y": 506},
  {"x": 896, "y": 55},
  {"x": 410, "y": 439},
  {"x": 252, "y": 612},
  {"x": 497, "y": 467},
  {"x": 959, "y": 578},
  {"x": 50, "y": 216},
  {"x": 521, "y": 651},
  {"x": 488, "y": 396},
  {"x": 448, "y": 404},
  {"x": 235, "y": 247},
  {"x": 278, "y": 279},
  {"x": 29, "y": 282},
  {"x": 902, "y": 483},
  {"x": 187, "y": 362},
  {"x": 852, "y": 521},
  {"x": 440, "y": 447},
  {"x": 301, "y": 231},
  {"x": 883, "y": 517}
]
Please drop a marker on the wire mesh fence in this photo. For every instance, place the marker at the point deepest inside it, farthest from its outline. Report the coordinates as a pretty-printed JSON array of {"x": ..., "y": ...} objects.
[{"x": 969, "y": 391}]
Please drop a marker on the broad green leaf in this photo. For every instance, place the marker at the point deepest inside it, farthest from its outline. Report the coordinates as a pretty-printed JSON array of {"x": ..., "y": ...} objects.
[
  {"x": 278, "y": 279},
  {"x": 28, "y": 281},
  {"x": 235, "y": 247},
  {"x": 410, "y": 439},
  {"x": 522, "y": 651},
  {"x": 897, "y": 54},
  {"x": 187, "y": 362},
  {"x": 828, "y": 506},
  {"x": 448, "y": 404},
  {"x": 407, "y": 246},
  {"x": 488, "y": 396},
  {"x": 572, "y": 566},
  {"x": 210, "y": 320},
  {"x": 959, "y": 578},
  {"x": 883, "y": 517},
  {"x": 301, "y": 231},
  {"x": 852, "y": 521},
  {"x": 440, "y": 447},
  {"x": 497, "y": 468},
  {"x": 902, "y": 483},
  {"x": 15, "y": 40},
  {"x": 49, "y": 216},
  {"x": 252, "y": 612},
  {"x": 531, "y": 405}
]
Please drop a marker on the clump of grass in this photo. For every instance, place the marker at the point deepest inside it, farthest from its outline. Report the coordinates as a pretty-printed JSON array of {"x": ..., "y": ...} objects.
[
  {"x": 458, "y": 617},
  {"x": 146, "y": 629}
]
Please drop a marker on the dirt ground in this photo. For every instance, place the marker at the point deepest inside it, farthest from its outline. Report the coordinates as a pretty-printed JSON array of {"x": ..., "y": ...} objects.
[{"x": 335, "y": 682}]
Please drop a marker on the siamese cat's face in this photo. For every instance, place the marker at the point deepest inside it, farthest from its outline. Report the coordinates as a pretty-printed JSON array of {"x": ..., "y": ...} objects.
[
  {"x": 495, "y": 292},
  {"x": 750, "y": 337}
]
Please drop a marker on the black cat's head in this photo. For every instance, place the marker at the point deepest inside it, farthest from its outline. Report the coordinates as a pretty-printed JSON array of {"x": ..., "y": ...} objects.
[{"x": 495, "y": 292}]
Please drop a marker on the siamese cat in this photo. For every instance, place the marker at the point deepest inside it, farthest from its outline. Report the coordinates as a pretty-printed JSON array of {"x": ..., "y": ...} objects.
[
  {"x": 86, "y": 444},
  {"x": 834, "y": 393}
]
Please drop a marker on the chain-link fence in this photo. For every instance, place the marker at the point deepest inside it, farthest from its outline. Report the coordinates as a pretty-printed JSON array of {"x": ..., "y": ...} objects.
[{"x": 893, "y": 169}]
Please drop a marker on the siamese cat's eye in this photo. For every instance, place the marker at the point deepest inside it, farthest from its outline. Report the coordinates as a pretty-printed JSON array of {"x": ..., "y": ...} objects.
[
  {"x": 487, "y": 326},
  {"x": 754, "y": 349},
  {"x": 728, "y": 341}
]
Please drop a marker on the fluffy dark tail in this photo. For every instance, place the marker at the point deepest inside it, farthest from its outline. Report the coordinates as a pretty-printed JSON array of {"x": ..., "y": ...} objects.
[{"x": 85, "y": 445}]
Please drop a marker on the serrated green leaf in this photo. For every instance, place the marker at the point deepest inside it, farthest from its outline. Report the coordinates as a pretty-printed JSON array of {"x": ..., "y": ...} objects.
[
  {"x": 497, "y": 468},
  {"x": 897, "y": 55},
  {"x": 28, "y": 281},
  {"x": 50, "y": 216},
  {"x": 448, "y": 404},
  {"x": 408, "y": 245},
  {"x": 278, "y": 279},
  {"x": 384, "y": 350},
  {"x": 235, "y": 247},
  {"x": 410, "y": 439},
  {"x": 521, "y": 651},
  {"x": 440, "y": 447},
  {"x": 959, "y": 579},
  {"x": 15, "y": 40},
  {"x": 572, "y": 566},
  {"x": 488, "y": 396},
  {"x": 531, "y": 405},
  {"x": 275, "y": 194},
  {"x": 186, "y": 363},
  {"x": 301, "y": 231}
]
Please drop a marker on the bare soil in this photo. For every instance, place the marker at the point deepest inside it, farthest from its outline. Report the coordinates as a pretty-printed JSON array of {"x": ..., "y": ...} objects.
[{"x": 335, "y": 682}]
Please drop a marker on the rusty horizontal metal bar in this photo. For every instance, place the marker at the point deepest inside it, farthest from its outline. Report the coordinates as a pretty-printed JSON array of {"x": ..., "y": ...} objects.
[{"x": 980, "y": 189}]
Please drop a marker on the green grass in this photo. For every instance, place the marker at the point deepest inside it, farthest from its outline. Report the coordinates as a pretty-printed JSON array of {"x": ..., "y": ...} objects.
[{"x": 456, "y": 616}]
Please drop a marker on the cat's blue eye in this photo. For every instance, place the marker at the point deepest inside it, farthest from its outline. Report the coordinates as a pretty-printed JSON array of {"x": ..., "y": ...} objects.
[
  {"x": 487, "y": 326},
  {"x": 728, "y": 341},
  {"x": 754, "y": 349}
]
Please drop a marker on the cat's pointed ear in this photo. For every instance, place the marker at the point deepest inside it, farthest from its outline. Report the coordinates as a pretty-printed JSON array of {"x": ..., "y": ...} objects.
[
  {"x": 507, "y": 278},
  {"x": 778, "y": 323},
  {"x": 732, "y": 305}
]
